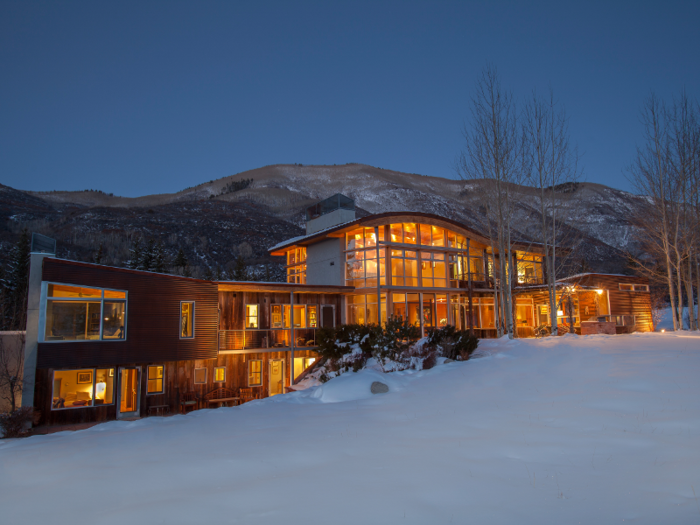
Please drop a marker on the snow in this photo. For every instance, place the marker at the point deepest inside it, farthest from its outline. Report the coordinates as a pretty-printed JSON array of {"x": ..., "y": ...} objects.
[{"x": 593, "y": 429}]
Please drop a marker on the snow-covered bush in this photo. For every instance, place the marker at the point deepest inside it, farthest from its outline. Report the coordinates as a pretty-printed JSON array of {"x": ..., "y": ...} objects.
[{"x": 393, "y": 347}]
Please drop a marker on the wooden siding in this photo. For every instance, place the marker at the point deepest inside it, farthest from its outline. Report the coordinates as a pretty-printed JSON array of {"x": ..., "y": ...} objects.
[
  {"x": 621, "y": 302},
  {"x": 232, "y": 306},
  {"x": 153, "y": 318},
  {"x": 178, "y": 379}
]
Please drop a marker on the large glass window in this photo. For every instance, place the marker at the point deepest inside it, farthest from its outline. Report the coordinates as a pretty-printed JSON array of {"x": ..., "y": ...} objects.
[
  {"x": 529, "y": 268},
  {"x": 364, "y": 309},
  {"x": 363, "y": 238},
  {"x": 220, "y": 374},
  {"x": 155, "y": 379},
  {"x": 88, "y": 387},
  {"x": 78, "y": 313},
  {"x": 433, "y": 270},
  {"x": 404, "y": 268},
  {"x": 361, "y": 268},
  {"x": 255, "y": 372},
  {"x": 186, "y": 319}
]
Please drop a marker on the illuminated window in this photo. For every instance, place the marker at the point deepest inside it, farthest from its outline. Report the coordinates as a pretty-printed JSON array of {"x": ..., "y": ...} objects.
[
  {"x": 255, "y": 372},
  {"x": 404, "y": 268},
  {"x": 433, "y": 270},
  {"x": 186, "y": 320},
  {"x": 200, "y": 376},
  {"x": 634, "y": 287},
  {"x": 296, "y": 265},
  {"x": 83, "y": 388},
  {"x": 220, "y": 374},
  {"x": 78, "y": 313},
  {"x": 155, "y": 379},
  {"x": 251, "y": 316},
  {"x": 361, "y": 268}
]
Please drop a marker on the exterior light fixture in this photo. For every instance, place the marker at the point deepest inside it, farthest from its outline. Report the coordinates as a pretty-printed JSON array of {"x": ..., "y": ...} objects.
[{"x": 662, "y": 330}]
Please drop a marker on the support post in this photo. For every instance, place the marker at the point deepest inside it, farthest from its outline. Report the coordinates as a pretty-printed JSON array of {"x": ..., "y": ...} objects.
[
  {"x": 379, "y": 278},
  {"x": 469, "y": 279},
  {"x": 293, "y": 341}
]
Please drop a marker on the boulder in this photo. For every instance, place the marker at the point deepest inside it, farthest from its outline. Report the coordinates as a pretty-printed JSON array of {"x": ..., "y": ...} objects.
[{"x": 379, "y": 388}]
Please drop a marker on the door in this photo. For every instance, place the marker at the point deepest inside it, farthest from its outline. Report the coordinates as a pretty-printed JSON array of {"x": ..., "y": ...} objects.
[
  {"x": 276, "y": 376},
  {"x": 129, "y": 390},
  {"x": 327, "y": 316}
]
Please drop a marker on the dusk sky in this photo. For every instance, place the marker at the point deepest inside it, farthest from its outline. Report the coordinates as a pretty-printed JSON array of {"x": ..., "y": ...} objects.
[{"x": 152, "y": 97}]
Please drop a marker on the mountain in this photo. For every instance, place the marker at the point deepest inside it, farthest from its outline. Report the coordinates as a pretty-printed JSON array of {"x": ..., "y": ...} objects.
[{"x": 214, "y": 224}]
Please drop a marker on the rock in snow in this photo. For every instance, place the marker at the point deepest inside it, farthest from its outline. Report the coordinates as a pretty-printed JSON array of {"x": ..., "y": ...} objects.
[{"x": 379, "y": 388}]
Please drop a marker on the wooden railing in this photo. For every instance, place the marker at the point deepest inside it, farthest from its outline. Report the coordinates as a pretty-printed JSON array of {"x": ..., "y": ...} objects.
[{"x": 255, "y": 339}]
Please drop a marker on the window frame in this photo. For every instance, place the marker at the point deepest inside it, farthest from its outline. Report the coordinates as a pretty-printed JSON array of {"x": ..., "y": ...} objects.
[
  {"x": 219, "y": 368},
  {"x": 148, "y": 378},
  {"x": 193, "y": 320},
  {"x": 250, "y": 361},
  {"x": 93, "y": 371},
  {"x": 44, "y": 305},
  {"x": 206, "y": 376}
]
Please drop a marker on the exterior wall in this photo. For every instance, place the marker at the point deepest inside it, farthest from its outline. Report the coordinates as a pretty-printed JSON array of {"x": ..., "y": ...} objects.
[
  {"x": 324, "y": 263},
  {"x": 153, "y": 318},
  {"x": 178, "y": 379}
]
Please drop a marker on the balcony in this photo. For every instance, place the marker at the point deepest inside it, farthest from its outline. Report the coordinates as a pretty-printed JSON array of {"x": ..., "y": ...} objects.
[{"x": 232, "y": 340}]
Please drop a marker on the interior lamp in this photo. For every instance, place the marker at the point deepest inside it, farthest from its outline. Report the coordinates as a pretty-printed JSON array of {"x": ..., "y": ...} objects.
[
  {"x": 100, "y": 389},
  {"x": 599, "y": 291}
]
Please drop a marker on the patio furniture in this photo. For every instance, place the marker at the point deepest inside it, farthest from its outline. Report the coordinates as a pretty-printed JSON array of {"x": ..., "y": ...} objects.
[
  {"x": 188, "y": 400},
  {"x": 221, "y": 396}
]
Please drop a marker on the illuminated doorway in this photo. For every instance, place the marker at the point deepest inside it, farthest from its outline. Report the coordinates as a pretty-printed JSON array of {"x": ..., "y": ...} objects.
[
  {"x": 276, "y": 377},
  {"x": 129, "y": 389}
]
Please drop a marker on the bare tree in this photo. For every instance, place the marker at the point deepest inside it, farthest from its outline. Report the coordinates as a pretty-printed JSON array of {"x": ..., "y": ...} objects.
[
  {"x": 492, "y": 155},
  {"x": 550, "y": 162},
  {"x": 12, "y": 368},
  {"x": 666, "y": 173}
]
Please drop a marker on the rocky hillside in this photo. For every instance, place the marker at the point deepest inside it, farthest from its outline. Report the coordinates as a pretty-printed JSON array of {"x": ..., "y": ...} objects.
[{"x": 214, "y": 224}]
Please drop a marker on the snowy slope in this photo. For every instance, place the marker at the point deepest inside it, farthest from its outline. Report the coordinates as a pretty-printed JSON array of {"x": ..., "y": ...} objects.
[{"x": 595, "y": 429}]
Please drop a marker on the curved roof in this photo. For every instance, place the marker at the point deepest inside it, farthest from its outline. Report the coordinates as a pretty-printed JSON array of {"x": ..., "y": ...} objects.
[{"x": 380, "y": 219}]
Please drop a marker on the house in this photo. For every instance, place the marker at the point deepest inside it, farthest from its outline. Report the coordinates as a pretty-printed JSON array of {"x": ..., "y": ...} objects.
[{"x": 107, "y": 343}]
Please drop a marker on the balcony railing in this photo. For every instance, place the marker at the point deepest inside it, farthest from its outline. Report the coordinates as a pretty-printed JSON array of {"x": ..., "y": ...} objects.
[{"x": 254, "y": 339}]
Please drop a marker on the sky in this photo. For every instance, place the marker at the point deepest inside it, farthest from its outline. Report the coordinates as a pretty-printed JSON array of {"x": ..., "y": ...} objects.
[{"x": 136, "y": 98}]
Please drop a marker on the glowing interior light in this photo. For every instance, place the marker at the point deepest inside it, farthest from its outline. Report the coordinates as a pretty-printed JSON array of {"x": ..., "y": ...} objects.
[{"x": 599, "y": 292}]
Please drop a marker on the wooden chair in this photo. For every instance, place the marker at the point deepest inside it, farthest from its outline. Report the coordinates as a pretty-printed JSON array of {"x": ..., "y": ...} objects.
[
  {"x": 247, "y": 394},
  {"x": 188, "y": 400},
  {"x": 221, "y": 396}
]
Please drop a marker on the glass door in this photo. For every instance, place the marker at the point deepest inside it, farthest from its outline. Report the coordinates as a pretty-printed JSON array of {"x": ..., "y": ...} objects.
[
  {"x": 276, "y": 377},
  {"x": 129, "y": 389}
]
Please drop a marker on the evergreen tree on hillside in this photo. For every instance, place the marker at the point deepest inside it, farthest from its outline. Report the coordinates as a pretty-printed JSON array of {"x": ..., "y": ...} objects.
[
  {"x": 180, "y": 262},
  {"x": 148, "y": 258},
  {"x": 15, "y": 284},
  {"x": 208, "y": 275},
  {"x": 135, "y": 255},
  {"x": 186, "y": 271},
  {"x": 159, "y": 258},
  {"x": 240, "y": 270},
  {"x": 97, "y": 259}
]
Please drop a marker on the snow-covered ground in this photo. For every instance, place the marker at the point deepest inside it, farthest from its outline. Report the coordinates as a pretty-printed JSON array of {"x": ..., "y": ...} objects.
[{"x": 596, "y": 429}]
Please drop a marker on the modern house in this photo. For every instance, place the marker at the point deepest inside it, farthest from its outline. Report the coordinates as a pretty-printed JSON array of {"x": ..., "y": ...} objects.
[{"x": 106, "y": 343}]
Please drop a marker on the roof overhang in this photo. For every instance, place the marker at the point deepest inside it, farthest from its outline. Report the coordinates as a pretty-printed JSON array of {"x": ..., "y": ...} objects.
[{"x": 247, "y": 286}]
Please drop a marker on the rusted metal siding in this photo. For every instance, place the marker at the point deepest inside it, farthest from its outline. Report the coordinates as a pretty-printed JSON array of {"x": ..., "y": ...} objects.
[{"x": 153, "y": 318}]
